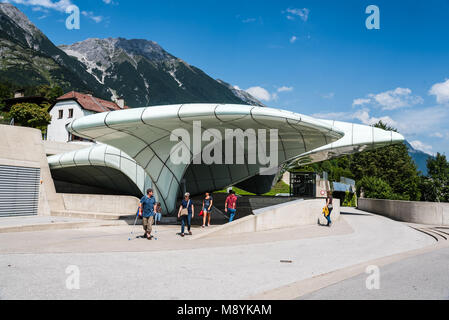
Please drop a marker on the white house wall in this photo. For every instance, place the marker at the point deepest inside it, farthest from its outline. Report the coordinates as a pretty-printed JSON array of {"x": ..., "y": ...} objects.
[{"x": 57, "y": 128}]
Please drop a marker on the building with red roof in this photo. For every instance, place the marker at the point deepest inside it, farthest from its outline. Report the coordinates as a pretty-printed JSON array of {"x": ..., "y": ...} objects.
[{"x": 72, "y": 106}]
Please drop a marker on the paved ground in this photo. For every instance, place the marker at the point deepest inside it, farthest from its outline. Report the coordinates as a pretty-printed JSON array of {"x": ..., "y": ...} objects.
[
  {"x": 421, "y": 277},
  {"x": 8, "y": 222},
  {"x": 33, "y": 265},
  {"x": 40, "y": 223}
]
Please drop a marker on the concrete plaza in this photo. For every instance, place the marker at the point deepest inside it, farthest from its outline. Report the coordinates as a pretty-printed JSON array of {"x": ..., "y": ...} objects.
[{"x": 33, "y": 264}]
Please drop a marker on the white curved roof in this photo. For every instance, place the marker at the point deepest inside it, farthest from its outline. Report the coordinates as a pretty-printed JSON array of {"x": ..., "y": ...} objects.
[
  {"x": 144, "y": 135},
  {"x": 101, "y": 155},
  {"x": 357, "y": 138}
]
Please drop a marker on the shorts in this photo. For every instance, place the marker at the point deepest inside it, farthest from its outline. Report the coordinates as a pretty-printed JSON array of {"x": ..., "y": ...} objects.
[{"x": 205, "y": 210}]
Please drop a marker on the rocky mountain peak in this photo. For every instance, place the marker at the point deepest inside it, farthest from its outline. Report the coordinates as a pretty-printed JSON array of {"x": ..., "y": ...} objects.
[
  {"x": 19, "y": 18},
  {"x": 95, "y": 49}
]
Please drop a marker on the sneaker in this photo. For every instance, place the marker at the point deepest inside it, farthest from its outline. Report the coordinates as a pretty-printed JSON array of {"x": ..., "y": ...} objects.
[{"x": 190, "y": 233}]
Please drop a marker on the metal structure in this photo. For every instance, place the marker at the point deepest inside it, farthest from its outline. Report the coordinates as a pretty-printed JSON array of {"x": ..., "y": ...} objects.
[
  {"x": 19, "y": 191},
  {"x": 145, "y": 135}
]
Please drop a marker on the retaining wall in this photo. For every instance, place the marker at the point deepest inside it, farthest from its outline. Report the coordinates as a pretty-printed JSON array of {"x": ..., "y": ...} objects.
[
  {"x": 429, "y": 213},
  {"x": 120, "y": 205},
  {"x": 287, "y": 215}
]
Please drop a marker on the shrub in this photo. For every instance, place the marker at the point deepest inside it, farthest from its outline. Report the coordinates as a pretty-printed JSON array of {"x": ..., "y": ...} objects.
[{"x": 375, "y": 188}]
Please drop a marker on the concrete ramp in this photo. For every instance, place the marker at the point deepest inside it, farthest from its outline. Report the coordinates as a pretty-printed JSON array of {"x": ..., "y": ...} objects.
[{"x": 287, "y": 215}]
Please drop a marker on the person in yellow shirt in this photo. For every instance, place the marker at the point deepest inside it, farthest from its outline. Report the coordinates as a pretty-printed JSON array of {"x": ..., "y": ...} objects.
[{"x": 329, "y": 207}]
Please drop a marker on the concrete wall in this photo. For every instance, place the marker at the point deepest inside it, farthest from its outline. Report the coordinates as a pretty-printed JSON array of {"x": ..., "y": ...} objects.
[
  {"x": 121, "y": 205},
  {"x": 287, "y": 215},
  {"x": 415, "y": 212},
  {"x": 23, "y": 147}
]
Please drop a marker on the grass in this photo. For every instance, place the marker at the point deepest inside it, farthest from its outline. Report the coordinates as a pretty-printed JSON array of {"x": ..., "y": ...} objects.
[{"x": 280, "y": 187}]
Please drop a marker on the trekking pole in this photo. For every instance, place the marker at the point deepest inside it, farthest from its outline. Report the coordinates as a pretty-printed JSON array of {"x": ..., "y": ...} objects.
[
  {"x": 134, "y": 226},
  {"x": 155, "y": 227}
]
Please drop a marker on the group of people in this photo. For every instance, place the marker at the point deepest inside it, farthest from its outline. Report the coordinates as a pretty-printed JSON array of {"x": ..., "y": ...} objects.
[{"x": 150, "y": 211}]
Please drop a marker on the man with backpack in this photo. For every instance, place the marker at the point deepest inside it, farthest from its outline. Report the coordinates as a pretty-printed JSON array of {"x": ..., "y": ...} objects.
[{"x": 230, "y": 205}]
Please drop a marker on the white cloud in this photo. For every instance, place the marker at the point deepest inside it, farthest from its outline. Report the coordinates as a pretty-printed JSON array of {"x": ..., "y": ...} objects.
[
  {"x": 418, "y": 145},
  {"x": 364, "y": 117},
  {"x": 391, "y": 100},
  {"x": 260, "y": 93},
  {"x": 285, "y": 89},
  {"x": 302, "y": 13},
  {"x": 437, "y": 135},
  {"x": 60, "y": 5},
  {"x": 293, "y": 39},
  {"x": 441, "y": 92},
  {"x": 416, "y": 126},
  {"x": 423, "y": 121},
  {"x": 90, "y": 15},
  {"x": 264, "y": 95},
  {"x": 360, "y": 102}
]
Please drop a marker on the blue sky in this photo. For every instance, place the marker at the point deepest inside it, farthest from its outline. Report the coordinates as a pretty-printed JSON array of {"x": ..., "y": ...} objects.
[{"x": 313, "y": 57}]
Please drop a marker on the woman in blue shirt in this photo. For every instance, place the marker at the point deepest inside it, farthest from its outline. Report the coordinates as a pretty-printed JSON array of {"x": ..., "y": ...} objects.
[{"x": 186, "y": 204}]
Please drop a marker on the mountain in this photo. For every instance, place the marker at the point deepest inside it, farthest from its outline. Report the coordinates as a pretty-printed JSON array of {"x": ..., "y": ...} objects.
[
  {"x": 145, "y": 74},
  {"x": 419, "y": 157},
  {"x": 29, "y": 58},
  {"x": 140, "y": 71}
]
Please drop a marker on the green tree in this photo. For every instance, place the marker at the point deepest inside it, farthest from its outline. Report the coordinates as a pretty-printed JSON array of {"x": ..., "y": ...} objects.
[
  {"x": 391, "y": 164},
  {"x": 435, "y": 187},
  {"x": 5, "y": 93},
  {"x": 49, "y": 92},
  {"x": 336, "y": 168},
  {"x": 375, "y": 188},
  {"x": 350, "y": 200},
  {"x": 30, "y": 115}
]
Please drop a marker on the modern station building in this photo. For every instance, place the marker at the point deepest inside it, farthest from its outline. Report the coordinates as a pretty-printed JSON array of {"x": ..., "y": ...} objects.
[
  {"x": 130, "y": 150},
  {"x": 139, "y": 145}
]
